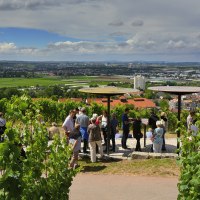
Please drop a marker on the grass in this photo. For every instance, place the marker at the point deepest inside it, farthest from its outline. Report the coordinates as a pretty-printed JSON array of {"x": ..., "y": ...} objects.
[
  {"x": 53, "y": 80},
  {"x": 146, "y": 167},
  {"x": 26, "y": 82}
]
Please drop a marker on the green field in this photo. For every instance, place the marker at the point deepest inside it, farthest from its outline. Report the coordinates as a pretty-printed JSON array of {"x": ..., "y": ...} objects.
[{"x": 47, "y": 81}]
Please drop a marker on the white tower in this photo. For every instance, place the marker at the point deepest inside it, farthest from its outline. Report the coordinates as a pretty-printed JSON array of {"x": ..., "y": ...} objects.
[{"x": 139, "y": 82}]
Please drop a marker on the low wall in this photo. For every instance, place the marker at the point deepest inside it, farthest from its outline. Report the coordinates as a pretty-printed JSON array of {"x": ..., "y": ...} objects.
[{"x": 148, "y": 155}]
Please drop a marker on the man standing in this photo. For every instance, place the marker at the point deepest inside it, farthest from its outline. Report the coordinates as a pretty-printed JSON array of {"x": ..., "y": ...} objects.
[
  {"x": 76, "y": 111},
  {"x": 125, "y": 127},
  {"x": 84, "y": 121},
  {"x": 113, "y": 130},
  {"x": 137, "y": 134},
  {"x": 152, "y": 120},
  {"x": 68, "y": 124}
]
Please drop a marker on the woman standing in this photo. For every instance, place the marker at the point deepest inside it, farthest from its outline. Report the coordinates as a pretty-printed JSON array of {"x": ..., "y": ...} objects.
[
  {"x": 163, "y": 118},
  {"x": 94, "y": 132},
  {"x": 104, "y": 127},
  {"x": 158, "y": 137}
]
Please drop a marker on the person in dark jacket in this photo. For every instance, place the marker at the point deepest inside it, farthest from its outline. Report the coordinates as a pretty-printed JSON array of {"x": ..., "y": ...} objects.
[
  {"x": 137, "y": 134},
  {"x": 152, "y": 120},
  {"x": 113, "y": 130},
  {"x": 163, "y": 118},
  {"x": 125, "y": 127}
]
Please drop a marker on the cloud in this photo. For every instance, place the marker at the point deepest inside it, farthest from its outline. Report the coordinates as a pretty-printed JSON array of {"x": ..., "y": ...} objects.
[
  {"x": 27, "y": 4},
  {"x": 7, "y": 47},
  {"x": 39, "y": 4},
  {"x": 116, "y": 23},
  {"x": 176, "y": 44},
  {"x": 117, "y": 34},
  {"x": 105, "y": 26},
  {"x": 137, "y": 22}
]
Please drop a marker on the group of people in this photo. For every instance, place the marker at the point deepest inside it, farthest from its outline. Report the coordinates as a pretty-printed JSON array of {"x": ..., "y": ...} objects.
[
  {"x": 79, "y": 127},
  {"x": 76, "y": 127},
  {"x": 158, "y": 127},
  {"x": 91, "y": 131},
  {"x": 156, "y": 131}
]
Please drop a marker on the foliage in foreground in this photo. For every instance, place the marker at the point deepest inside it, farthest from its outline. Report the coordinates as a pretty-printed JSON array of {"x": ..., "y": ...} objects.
[
  {"x": 44, "y": 173},
  {"x": 189, "y": 182}
]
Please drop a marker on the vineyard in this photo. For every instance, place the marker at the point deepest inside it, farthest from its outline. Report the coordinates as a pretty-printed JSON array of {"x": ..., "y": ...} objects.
[
  {"x": 43, "y": 173},
  {"x": 54, "y": 111}
]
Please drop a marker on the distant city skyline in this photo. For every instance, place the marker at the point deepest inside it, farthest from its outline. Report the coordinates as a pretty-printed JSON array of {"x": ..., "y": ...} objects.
[{"x": 100, "y": 30}]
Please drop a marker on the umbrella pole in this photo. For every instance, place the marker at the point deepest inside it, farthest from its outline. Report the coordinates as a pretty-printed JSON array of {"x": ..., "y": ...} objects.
[
  {"x": 108, "y": 126},
  {"x": 179, "y": 119}
]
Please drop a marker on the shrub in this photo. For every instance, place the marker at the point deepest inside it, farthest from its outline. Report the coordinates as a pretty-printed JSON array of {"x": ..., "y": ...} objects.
[
  {"x": 43, "y": 173},
  {"x": 189, "y": 182}
]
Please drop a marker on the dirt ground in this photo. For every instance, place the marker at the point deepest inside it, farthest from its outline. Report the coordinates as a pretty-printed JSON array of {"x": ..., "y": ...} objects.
[{"x": 122, "y": 187}]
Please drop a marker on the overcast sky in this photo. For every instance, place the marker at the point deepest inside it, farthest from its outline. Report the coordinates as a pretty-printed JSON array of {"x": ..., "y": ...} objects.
[{"x": 100, "y": 30}]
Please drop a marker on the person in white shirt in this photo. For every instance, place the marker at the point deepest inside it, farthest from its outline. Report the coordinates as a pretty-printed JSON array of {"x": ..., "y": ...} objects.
[
  {"x": 68, "y": 124},
  {"x": 104, "y": 128}
]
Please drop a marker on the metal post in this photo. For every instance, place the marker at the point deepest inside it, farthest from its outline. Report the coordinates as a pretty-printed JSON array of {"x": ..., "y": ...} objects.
[
  {"x": 179, "y": 107},
  {"x": 179, "y": 119},
  {"x": 145, "y": 136},
  {"x": 108, "y": 126}
]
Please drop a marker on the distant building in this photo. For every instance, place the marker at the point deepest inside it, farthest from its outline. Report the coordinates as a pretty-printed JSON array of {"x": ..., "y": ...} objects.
[
  {"x": 138, "y": 103},
  {"x": 186, "y": 104},
  {"x": 139, "y": 82}
]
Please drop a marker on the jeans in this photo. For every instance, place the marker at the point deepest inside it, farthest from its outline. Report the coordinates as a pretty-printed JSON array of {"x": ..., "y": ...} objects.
[{"x": 124, "y": 138}]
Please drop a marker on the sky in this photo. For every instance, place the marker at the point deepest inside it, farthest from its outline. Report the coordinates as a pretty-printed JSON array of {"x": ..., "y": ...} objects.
[{"x": 100, "y": 30}]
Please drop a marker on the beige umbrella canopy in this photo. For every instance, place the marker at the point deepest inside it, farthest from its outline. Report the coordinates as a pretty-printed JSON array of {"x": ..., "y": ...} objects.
[
  {"x": 176, "y": 89},
  {"x": 108, "y": 92},
  {"x": 111, "y": 91}
]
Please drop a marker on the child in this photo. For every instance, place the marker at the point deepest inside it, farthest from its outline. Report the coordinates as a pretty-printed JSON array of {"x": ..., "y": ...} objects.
[
  {"x": 149, "y": 136},
  {"x": 149, "y": 133},
  {"x": 75, "y": 140}
]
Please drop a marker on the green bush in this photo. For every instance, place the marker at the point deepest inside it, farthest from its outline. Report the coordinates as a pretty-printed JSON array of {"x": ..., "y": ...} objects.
[
  {"x": 189, "y": 181},
  {"x": 44, "y": 173}
]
